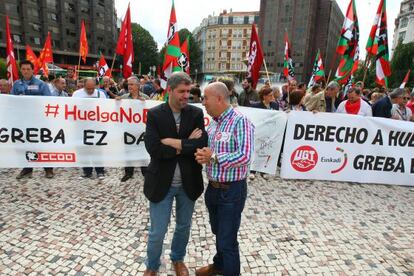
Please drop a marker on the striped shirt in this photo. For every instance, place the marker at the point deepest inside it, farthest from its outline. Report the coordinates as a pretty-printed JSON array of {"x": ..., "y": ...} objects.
[{"x": 231, "y": 138}]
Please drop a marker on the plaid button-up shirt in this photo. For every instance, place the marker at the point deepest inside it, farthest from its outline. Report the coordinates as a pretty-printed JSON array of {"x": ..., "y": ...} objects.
[{"x": 231, "y": 138}]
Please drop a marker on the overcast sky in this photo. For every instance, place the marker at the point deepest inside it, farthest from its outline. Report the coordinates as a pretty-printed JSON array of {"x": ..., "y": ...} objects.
[{"x": 153, "y": 15}]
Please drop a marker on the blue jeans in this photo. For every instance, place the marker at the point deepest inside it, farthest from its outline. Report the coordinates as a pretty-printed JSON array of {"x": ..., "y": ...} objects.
[
  {"x": 160, "y": 214},
  {"x": 225, "y": 207}
]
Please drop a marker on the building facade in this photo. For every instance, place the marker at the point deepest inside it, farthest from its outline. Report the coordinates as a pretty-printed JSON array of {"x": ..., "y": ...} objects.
[
  {"x": 311, "y": 25},
  {"x": 404, "y": 24},
  {"x": 224, "y": 41},
  {"x": 31, "y": 20}
]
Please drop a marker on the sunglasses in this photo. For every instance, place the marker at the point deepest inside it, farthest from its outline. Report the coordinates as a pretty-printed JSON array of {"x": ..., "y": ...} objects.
[{"x": 406, "y": 98}]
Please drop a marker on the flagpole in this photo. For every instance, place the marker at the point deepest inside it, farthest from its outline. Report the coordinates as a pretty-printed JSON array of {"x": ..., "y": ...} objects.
[
  {"x": 267, "y": 72},
  {"x": 77, "y": 75},
  {"x": 113, "y": 63},
  {"x": 367, "y": 64},
  {"x": 333, "y": 61}
]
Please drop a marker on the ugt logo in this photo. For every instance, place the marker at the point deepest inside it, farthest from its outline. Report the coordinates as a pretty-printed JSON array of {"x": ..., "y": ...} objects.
[{"x": 304, "y": 158}]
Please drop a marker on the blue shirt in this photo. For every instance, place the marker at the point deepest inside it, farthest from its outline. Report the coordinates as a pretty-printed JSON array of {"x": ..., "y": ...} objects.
[{"x": 32, "y": 87}]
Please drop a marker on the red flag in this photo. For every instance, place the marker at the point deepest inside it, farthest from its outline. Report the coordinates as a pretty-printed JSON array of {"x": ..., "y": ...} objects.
[
  {"x": 12, "y": 72},
  {"x": 46, "y": 55},
  {"x": 31, "y": 56},
  {"x": 184, "y": 59},
  {"x": 103, "y": 68},
  {"x": 255, "y": 60},
  {"x": 288, "y": 69},
  {"x": 124, "y": 46},
  {"x": 407, "y": 76},
  {"x": 83, "y": 48}
]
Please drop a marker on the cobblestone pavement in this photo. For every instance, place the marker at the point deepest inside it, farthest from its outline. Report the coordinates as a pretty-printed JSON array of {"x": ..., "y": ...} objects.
[{"x": 90, "y": 227}]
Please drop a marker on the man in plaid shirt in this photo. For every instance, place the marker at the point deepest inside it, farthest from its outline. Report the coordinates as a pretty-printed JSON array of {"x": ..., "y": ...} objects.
[{"x": 227, "y": 159}]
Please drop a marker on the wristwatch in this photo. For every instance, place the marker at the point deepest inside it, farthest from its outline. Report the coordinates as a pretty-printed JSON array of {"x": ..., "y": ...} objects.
[{"x": 213, "y": 158}]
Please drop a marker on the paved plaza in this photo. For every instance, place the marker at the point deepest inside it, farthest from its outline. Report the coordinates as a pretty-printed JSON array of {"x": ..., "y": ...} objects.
[{"x": 68, "y": 226}]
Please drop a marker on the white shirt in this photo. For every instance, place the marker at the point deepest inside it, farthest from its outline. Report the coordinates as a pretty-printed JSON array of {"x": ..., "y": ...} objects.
[
  {"x": 81, "y": 93},
  {"x": 401, "y": 114},
  {"x": 364, "y": 110}
]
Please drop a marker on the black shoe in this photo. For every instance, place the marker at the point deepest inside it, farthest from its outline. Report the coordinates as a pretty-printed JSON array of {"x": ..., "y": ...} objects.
[
  {"x": 100, "y": 175},
  {"x": 126, "y": 177},
  {"x": 24, "y": 173},
  {"x": 86, "y": 175}
]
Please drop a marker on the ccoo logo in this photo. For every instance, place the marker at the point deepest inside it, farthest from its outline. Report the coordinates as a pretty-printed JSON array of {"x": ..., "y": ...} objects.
[{"x": 304, "y": 158}]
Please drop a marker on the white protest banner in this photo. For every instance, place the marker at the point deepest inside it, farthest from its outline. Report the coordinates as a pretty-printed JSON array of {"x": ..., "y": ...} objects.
[
  {"x": 342, "y": 147},
  {"x": 76, "y": 132}
]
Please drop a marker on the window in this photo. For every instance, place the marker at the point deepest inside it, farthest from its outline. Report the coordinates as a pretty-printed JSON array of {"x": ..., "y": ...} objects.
[
  {"x": 17, "y": 38},
  {"x": 69, "y": 6},
  {"x": 33, "y": 12},
  {"x": 52, "y": 16},
  {"x": 35, "y": 40},
  {"x": 35, "y": 26},
  {"x": 401, "y": 37},
  {"x": 55, "y": 30},
  {"x": 72, "y": 20},
  {"x": 84, "y": 10},
  {"x": 56, "y": 43},
  {"x": 100, "y": 26},
  {"x": 403, "y": 22},
  {"x": 11, "y": 8}
]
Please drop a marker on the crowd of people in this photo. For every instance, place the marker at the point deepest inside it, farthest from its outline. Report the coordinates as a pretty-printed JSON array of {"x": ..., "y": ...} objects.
[{"x": 179, "y": 145}]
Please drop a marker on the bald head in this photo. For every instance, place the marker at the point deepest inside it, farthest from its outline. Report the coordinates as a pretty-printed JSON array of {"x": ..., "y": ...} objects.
[
  {"x": 216, "y": 99},
  {"x": 218, "y": 89}
]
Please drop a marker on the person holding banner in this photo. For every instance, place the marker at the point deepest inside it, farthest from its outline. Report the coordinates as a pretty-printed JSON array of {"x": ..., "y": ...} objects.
[
  {"x": 173, "y": 133},
  {"x": 355, "y": 105},
  {"x": 324, "y": 101},
  {"x": 228, "y": 158},
  {"x": 30, "y": 86},
  {"x": 4, "y": 86},
  {"x": 410, "y": 103},
  {"x": 400, "y": 111},
  {"x": 383, "y": 107},
  {"x": 89, "y": 91},
  {"x": 134, "y": 93}
]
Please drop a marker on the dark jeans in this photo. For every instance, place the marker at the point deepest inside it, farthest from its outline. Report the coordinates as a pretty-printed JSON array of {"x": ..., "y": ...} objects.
[
  {"x": 88, "y": 170},
  {"x": 130, "y": 170},
  {"x": 225, "y": 207}
]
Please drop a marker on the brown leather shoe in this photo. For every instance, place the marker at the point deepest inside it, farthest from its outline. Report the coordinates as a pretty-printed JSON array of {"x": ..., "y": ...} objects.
[
  {"x": 180, "y": 269},
  {"x": 209, "y": 270},
  {"x": 149, "y": 272}
]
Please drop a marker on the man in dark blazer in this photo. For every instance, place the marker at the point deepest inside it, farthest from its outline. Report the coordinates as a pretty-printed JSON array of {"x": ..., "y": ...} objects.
[
  {"x": 175, "y": 130},
  {"x": 383, "y": 107}
]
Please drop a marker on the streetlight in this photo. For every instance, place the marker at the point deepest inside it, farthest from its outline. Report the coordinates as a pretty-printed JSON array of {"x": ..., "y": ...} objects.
[{"x": 195, "y": 75}]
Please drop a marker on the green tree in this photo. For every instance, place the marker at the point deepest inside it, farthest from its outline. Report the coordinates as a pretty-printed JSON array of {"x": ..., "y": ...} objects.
[
  {"x": 3, "y": 69},
  {"x": 402, "y": 61},
  {"x": 195, "y": 51},
  {"x": 145, "y": 49}
]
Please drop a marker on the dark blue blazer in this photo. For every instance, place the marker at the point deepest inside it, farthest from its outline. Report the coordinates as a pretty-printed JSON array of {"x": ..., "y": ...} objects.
[
  {"x": 273, "y": 105},
  {"x": 382, "y": 108}
]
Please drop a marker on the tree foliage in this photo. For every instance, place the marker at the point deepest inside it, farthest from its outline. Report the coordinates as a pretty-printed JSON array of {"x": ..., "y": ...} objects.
[
  {"x": 145, "y": 49},
  {"x": 402, "y": 61},
  {"x": 3, "y": 69}
]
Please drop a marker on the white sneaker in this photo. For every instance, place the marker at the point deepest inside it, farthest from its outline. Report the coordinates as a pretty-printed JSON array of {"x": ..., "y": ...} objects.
[{"x": 252, "y": 176}]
